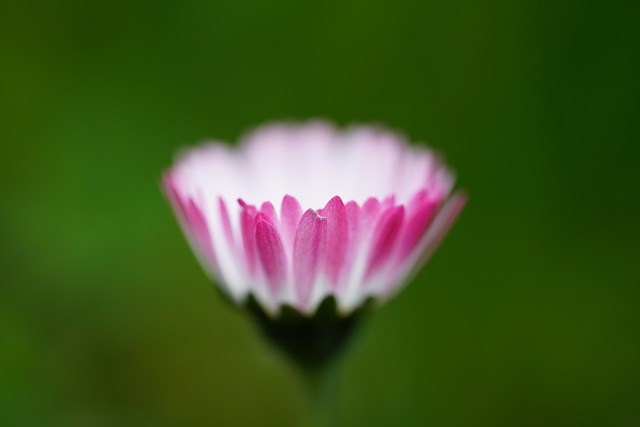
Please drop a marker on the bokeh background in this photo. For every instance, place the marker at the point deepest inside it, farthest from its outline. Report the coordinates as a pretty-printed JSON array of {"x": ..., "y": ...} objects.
[{"x": 528, "y": 315}]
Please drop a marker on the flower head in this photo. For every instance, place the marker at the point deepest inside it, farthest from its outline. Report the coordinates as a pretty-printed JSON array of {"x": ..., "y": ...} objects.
[{"x": 299, "y": 213}]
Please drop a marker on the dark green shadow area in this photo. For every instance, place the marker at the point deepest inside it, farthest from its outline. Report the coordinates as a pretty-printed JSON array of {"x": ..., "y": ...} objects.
[{"x": 310, "y": 341}]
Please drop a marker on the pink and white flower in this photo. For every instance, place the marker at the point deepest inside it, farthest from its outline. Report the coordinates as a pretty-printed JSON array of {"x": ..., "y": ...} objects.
[{"x": 297, "y": 213}]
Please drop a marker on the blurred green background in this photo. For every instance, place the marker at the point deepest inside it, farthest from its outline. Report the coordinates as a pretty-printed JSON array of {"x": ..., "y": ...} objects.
[{"x": 528, "y": 315}]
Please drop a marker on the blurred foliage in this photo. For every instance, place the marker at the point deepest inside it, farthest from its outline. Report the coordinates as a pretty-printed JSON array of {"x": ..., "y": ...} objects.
[{"x": 527, "y": 316}]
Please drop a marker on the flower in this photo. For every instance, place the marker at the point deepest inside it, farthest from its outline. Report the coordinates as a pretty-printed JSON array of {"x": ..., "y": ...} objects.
[{"x": 301, "y": 212}]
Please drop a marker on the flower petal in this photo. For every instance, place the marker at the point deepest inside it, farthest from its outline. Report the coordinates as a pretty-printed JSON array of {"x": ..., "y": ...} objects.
[
  {"x": 384, "y": 237},
  {"x": 369, "y": 213},
  {"x": 306, "y": 254},
  {"x": 420, "y": 212},
  {"x": 247, "y": 227},
  {"x": 290, "y": 212},
  {"x": 193, "y": 223},
  {"x": 271, "y": 254},
  {"x": 337, "y": 236},
  {"x": 269, "y": 211}
]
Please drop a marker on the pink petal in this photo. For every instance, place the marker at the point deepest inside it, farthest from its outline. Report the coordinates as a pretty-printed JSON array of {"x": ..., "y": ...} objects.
[
  {"x": 369, "y": 212},
  {"x": 271, "y": 253},
  {"x": 192, "y": 220},
  {"x": 420, "y": 212},
  {"x": 247, "y": 227},
  {"x": 353, "y": 222},
  {"x": 200, "y": 230},
  {"x": 353, "y": 215},
  {"x": 269, "y": 211},
  {"x": 290, "y": 212},
  {"x": 388, "y": 202},
  {"x": 418, "y": 199},
  {"x": 384, "y": 237},
  {"x": 429, "y": 242},
  {"x": 306, "y": 253},
  {"x": 337, "y": 235}
]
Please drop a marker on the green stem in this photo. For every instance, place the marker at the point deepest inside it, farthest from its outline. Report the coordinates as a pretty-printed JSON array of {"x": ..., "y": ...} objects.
[{"x": 321, "y": 385}]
